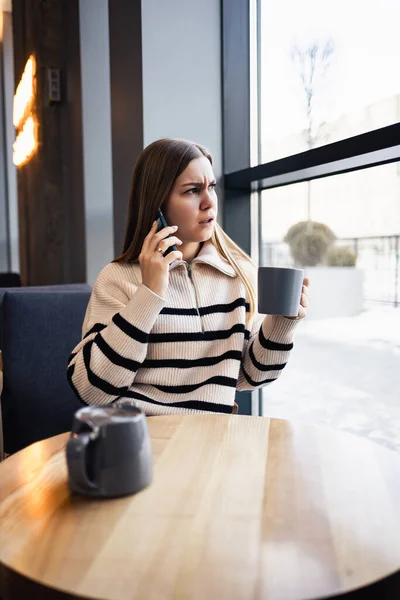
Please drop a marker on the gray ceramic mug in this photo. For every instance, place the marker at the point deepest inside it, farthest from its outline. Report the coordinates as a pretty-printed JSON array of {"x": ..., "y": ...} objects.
[
  {"x": 279, "y": 290},
  {"x": 109, "y": 452}
]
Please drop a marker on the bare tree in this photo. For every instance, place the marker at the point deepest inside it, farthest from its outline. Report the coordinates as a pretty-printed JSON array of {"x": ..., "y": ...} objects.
[{"x": 312, "y": 63}]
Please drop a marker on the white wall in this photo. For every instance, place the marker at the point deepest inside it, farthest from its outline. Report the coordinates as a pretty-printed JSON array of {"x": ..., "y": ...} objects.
[
  {"x": 181, "y": 79},
  {"x": 181, "y": 45},
  {"x": 96, "y": 124}
]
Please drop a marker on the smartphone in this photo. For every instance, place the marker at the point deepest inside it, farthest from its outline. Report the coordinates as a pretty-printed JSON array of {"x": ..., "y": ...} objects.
[{"x": 161, "y": 224}]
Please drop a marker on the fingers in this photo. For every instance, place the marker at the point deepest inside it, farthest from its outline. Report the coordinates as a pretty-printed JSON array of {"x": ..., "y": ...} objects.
[
  {"x": 305, "y": 296},
  {"x": 304, "y": 300},
  {"x": 161, "y": 235},
  {"x": 149, "y": 236},
  {"x": 157, "y": 243},
  {"x": 175, "y": 255},
  {"x": 306, "y": 284},
  {"x": 168, "y": 242}
]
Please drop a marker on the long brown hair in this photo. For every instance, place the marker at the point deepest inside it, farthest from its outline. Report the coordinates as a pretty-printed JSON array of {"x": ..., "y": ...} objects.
[{"x": 156, "y": 170}]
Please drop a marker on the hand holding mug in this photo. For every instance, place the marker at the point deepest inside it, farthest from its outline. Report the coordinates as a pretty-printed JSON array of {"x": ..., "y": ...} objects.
[
  {"x": 304, "y": 300},
  {"x": 283, "y": 291}
]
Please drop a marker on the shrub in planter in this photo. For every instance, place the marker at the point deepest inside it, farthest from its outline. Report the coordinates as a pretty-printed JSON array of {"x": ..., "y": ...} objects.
[
  {"x": 341, "y": 256},
  {"x": 309, "y": 242}
]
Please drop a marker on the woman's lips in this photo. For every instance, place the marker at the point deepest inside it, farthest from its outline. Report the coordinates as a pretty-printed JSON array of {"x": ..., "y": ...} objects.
[{"x": 206, "y": 223}]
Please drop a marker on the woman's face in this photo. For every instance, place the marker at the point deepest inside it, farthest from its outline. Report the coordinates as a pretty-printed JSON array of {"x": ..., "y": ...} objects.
[{"x": 193, "y": 201}]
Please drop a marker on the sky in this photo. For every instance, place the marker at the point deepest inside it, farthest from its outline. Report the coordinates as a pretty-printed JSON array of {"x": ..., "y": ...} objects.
[{"x": 365, "y": 64}]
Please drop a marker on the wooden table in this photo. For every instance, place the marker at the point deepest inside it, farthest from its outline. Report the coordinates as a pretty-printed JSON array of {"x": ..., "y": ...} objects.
[{"x": 240, "y": 508}]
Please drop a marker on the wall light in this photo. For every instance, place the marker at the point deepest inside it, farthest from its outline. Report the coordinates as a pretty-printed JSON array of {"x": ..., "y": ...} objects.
[
  {"x": 25, "y": 93},
  {"x": 26, "y": 142},
  {"x": 23, "y": 117}
]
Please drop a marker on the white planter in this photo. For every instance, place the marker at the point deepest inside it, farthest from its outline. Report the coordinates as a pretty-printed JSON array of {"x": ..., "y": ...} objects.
[{"x": 335, "y": 291}]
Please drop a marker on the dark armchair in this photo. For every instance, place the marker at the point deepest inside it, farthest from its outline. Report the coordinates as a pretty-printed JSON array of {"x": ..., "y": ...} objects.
[{"x": 38, "y": 331}]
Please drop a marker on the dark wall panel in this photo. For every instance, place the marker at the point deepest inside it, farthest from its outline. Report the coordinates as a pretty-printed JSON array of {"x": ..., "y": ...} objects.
[
  {"x": 50, "y": 186},
  {"x": 126, "y": 103},
  {"x": 236, "y": 128},
  {"x": 72, "y": 145},
  {"x": 236, "y": 84}
]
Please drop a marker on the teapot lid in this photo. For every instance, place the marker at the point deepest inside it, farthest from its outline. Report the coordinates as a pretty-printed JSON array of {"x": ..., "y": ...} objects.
[{"x": 100, "y": 415}]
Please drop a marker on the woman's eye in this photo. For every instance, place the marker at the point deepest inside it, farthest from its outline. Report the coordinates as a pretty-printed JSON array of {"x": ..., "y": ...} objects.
[{"x": 198, "y": 190}]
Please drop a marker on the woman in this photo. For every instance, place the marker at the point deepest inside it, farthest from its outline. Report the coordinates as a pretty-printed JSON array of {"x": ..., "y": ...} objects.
[{"x": 177, "y": 332}]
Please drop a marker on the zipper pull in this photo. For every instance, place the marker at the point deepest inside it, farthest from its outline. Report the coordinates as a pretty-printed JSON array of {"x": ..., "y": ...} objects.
[{"x": 189, "y": 268}]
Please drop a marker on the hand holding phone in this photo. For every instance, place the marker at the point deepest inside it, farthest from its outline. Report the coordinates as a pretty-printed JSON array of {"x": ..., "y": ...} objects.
[
  {"x": 161, "y": 224},
  {"x": 155, "y": 272}
]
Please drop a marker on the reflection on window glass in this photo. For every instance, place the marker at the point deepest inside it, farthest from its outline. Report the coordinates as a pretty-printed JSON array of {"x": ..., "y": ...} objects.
[
  {"x": 357, "y": 204},
  {"x": 328, "y": 71},
  {"x": 344, "y": 231}
]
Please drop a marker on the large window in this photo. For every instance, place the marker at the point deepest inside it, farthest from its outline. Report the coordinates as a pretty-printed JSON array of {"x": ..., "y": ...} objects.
[
  {"x": 321, "y": 189},
  {"x": 329, "y": 70},
  {"x": 344, "y": 369}
]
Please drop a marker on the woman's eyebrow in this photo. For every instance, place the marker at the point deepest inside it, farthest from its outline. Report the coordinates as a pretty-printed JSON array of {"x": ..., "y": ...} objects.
[{"x": 196, "y": 183}]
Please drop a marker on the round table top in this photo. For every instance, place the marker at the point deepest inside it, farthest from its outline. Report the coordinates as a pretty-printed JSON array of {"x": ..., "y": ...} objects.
[{"x": 239, "y": 508}]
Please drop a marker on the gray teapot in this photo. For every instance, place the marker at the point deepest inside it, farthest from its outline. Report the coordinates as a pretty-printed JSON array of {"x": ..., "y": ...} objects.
[{"x": 109, "y": 451}]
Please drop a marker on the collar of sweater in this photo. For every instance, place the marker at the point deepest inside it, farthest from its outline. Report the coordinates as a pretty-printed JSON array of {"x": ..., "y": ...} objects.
[{"x": 210, "y": 256}]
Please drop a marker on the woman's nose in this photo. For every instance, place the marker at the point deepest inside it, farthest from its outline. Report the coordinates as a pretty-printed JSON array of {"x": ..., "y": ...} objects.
[{"x": 208, "y": 199}]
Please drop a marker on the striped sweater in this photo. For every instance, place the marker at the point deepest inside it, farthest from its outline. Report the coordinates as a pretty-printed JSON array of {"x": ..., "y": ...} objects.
[{"x": 188, "y": 352}]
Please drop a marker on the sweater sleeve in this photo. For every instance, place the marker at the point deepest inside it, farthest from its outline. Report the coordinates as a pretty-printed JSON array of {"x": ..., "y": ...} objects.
[
  {"x": 266, "y": 352},
  {"x": 115, "y": 338}
]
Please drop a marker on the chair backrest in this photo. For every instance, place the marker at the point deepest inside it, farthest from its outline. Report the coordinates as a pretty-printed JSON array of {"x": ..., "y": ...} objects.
[
  {"x": 39, "y": 331},
  {"x": 10, "y": 280},
  {"x": 76, "y": 287}
]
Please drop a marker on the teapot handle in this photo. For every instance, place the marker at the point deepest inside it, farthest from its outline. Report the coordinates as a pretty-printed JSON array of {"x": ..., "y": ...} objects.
[{"x": 76, "y": 460}]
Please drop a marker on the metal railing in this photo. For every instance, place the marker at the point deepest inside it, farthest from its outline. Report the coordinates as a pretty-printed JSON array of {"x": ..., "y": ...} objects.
[{"x": 377, "y": 256}]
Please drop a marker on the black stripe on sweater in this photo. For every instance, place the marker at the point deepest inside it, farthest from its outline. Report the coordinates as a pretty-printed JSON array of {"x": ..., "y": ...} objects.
[
  {"x": 189, "y": 404},
  {"x": 182, "y": 312},
  {"x": 185, "y": 389},
  {"x": 262, "y": 367},
  {"x": 71, "y": 356},
  {"x": 96, "y": 381},
  {"x": 95, "y": 329},
  {"x": 206, "y": 310},
  {"x": 183, "y": 363},
  {"x": 269, "y": 345},
  {"x": 207, "y": 336},
  {"x": 130, "y": 330},
  {"x": 254, "y": 383},
  {"x": 70, "y": 372},
  {"x": 124, "y": 392},
  {"x": 114, "y": 357},
  {"x": 222, "y": 308}
]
